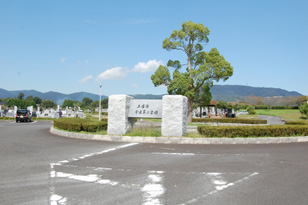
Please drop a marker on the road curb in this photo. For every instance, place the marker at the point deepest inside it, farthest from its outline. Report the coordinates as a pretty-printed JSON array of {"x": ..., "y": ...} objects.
[{"x": 180, "y": 140}]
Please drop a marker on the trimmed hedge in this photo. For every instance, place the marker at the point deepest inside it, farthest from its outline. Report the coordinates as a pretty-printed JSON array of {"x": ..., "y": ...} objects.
[
  {"x": 230, "y": 120},
  {"x": 7, "y": 118},
  {"x": 77, "y": 125},
  {"x": 296, "y": 123},
  {"x": 254, "y": 131},
  {"x": 94, "y": 126}
]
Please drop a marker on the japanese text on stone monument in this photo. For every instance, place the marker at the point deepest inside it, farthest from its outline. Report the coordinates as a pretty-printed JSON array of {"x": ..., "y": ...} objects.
[{"x": 145, "y": 109}]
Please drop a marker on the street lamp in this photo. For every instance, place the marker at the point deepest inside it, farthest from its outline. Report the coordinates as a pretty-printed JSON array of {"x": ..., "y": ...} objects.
[{"x": 100, "y": 99}]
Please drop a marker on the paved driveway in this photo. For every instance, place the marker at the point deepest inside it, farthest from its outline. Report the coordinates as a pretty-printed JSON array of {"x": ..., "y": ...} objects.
[
  {"x": 272, "y": 120},
  {"x": 40, "y": 168}
]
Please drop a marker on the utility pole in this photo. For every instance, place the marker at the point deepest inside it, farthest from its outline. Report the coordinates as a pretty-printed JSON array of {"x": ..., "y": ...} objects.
[{"x": 100, "y": 99}]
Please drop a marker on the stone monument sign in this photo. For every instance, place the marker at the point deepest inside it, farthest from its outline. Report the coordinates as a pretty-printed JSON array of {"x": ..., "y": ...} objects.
[
  {"x": 172, "y": 109},
  {"x": 145, "y": 108}
]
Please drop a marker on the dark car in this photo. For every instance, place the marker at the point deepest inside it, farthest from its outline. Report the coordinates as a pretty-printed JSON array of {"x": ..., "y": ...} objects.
[
  {"x": 34, "y": 114},
  {"x": 23, "y": 115}
]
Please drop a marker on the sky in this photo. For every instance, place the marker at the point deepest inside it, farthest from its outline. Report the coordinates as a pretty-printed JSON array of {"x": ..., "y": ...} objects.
[{"x": 73, "y": 46}]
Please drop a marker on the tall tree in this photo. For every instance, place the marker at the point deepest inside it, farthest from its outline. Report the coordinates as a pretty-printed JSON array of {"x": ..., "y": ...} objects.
[
  {"x": 253, "y": 100},
  {"x": 87, "y": 101},
  {"x": 37, "y": 100},
  {"x": 30, "y": 97},
  {"x": 202, "y": 68},
  {"x": 48, "y": 104},
  {"x": 20, "y": 96},
  {"x": 304, "y": 109},
  {"x": 70, "y": 103}
]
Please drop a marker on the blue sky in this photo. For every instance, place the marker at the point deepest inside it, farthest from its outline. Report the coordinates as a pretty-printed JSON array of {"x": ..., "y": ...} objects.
[{"x": 71, "y": 46}]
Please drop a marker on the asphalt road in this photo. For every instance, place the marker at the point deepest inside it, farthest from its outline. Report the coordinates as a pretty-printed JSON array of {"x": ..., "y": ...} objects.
[
  {"x": 272, "y": 120},
  {"x": 40, "y": 168}
]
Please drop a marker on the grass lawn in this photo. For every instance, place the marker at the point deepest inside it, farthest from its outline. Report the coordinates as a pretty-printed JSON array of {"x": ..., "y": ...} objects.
[{"x": 285, "y": 114}]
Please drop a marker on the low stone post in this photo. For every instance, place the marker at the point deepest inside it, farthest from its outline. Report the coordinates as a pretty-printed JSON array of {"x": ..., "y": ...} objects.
[
  {"x": 118, "y": 121},
  {"x": 174, "y": 115}
]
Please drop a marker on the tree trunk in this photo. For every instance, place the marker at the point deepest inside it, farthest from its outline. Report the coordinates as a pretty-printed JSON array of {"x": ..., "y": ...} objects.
[{"x": 190, "y": 110}]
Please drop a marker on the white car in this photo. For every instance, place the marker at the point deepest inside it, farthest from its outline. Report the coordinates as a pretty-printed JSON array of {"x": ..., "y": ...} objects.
[{"x": 243, "y": 112}]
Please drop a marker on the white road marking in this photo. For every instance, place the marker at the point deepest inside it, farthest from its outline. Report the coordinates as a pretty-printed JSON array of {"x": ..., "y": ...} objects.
[
  {"x": 179, "y": 154},
  {"x": 56, "y": 199},
  {"x": 220, "y": 187},
  {"x": 216, "y": 155},
  {"x": 152, "y": 191}
]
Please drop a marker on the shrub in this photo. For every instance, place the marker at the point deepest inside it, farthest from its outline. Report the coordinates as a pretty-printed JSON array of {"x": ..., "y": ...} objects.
[
  {"x": 94, "y": 126},
  {"x": 263, "y": 107},
  {"x": 296, "y": 123},
  {"x": 253, "y": 131},
  {"x": 304, "y": 109},
  {"x": 77, "y": 125},
  {"x": 230, "y": 120},
  {"x": 7, "y": 118},
  {"x": 251, "y": 110}
]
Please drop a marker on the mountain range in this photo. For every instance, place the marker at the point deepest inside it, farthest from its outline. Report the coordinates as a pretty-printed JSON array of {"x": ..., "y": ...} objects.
[{"x": 219, "y": 92}]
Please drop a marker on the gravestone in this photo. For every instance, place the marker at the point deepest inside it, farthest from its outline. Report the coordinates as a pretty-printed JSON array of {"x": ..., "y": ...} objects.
[
  {"x": 30, "y": 108},
  {"x": 172, "y": 109}
]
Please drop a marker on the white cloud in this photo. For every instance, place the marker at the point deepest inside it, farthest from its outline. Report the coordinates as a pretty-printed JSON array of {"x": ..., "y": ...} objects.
[
  {"x": 90, "y": 21},
  {"x": 137, "y": 21},
  {"x": 85, "y": 79},
  {"x": 86, "y": 61},
  {"x": 150, "y": 66},
  {"x": 135, "y": 85},
  {"x": 113, "y": 73},
  {"x": 63, "y": 59}
]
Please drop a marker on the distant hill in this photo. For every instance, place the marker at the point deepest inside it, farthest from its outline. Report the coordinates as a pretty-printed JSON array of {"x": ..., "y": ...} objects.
[
  {"x": 54, "y": 96},
  {"x": 219, "y": 92},
  {"x": 237, "y": 92}
]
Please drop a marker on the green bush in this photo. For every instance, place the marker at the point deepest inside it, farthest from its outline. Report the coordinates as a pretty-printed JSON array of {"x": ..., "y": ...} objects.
[
  {"x": 7, "y": 118},
  {"x": 251, "y": 110},
  {"x": 296, "y": 122},
  {"x": 94, "y": 126},
  {"x": 77, "y": 125},
  {"x": 253, "y": 131},
  {"x": 304, "y": 109},
  {"x": 230, "y": 120}
]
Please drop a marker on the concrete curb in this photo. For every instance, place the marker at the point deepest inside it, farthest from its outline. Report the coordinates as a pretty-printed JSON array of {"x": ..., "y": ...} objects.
[{"x": 180, "y": 140}]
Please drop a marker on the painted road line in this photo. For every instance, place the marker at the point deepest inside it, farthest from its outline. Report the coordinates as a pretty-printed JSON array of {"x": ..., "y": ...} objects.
[
  {"x": 153, "y": 189},
  {"x": 220, "y": 185},
  {"x": 57, "y": 199},
  {"x": 216, "y": 155}
]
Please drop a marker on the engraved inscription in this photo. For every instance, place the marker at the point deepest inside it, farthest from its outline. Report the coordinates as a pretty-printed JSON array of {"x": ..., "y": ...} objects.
[{"x": 145, "y": 109}]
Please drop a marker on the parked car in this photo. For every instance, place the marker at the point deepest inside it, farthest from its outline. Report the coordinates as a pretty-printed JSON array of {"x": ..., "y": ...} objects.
[
  {"x": 23, "y": 115},
  {"x": 243, "y": 112},
  {"x": 34, "y": 114}
]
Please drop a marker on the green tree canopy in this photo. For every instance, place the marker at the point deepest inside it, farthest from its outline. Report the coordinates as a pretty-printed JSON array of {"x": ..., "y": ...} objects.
[
  {"x": 37, "y": 100},
  {"x": 104, "y": 103},
  {"x": 87, "y": 101},
  {"x": 48, "y": 104},
  {"x": 70, "y": 103},
  {"x": 20, "y": 103},
  {"x": 304, "y": 109},
  {"x": 202, "y": 68},
  {"x": 222, "y": 105},
  {"x": 20, "y": 96}
]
